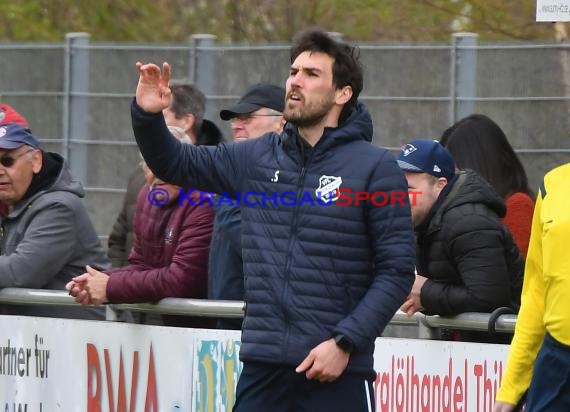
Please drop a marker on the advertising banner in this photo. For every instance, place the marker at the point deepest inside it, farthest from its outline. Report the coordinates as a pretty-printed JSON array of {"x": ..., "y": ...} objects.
[
  {"x": 93, "y": 366},
  {"x": 415, "y": 375},
  {"x": 97, "y": 366},
  {"x": 552, "y": 10}
]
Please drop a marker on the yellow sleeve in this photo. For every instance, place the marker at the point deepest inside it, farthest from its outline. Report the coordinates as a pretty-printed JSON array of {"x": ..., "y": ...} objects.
[{"x": 530, "y": 329}]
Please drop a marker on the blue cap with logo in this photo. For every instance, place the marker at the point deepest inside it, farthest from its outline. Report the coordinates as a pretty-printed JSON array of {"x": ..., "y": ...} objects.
[
  {"x": 426, "y": 156},
  {"x": 13, "y": 135}
]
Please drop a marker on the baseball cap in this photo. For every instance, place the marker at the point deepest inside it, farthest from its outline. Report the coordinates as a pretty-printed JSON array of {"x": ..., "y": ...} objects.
[
  {"x": 427, "y": 156},
  {"x": 13, "y": 135},
  {"x": 9, "y": 115},
  {"x": 258, "y": 96}
]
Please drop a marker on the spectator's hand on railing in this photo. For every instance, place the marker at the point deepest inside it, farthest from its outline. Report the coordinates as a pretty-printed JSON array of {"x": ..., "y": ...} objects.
[
  {"x": 413, "y": 304},
  {"x": 153, "y": 91},
  {"x": 77, "y": 290},
  {"x": 89, "y": 288},
  {"x": 503, "y": 407}
]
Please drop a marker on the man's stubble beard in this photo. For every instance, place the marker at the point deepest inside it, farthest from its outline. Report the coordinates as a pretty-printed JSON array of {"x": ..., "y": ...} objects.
[{"x": 309, "y": 114}]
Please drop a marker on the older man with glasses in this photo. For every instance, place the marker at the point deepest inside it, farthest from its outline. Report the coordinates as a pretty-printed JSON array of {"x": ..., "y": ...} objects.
[
  {"x": 47, "y": 236},
  {"x": 257, "y": 112}
]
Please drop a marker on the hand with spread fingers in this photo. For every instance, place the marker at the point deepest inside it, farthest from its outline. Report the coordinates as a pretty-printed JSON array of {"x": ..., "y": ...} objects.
[{"x": 153, "y": 92}]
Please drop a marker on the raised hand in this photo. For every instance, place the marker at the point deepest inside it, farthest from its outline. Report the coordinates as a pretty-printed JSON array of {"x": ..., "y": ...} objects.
[{"x": 153, "y": 91}]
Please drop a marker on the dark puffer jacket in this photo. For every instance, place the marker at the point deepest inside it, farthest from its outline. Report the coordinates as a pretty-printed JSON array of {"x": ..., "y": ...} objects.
[
  {"x": 311, "y": 271},
  {"x": 467, "y": 254}
]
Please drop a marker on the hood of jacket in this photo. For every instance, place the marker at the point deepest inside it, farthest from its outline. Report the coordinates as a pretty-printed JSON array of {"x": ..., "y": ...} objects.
[
  {"x": 54, "y": 176},
  {"x": 467, "y": 187},
  {"x": 210, "y": 134}
]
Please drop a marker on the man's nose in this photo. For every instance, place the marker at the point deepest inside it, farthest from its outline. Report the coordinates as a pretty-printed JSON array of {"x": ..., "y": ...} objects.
[
  {"x": 297, "y": 79},
  {"x": 237, "y": 125}
]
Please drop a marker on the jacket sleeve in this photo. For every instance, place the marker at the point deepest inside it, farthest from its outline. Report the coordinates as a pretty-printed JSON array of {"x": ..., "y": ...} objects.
[
  {"x": 530, "y": 328},
  {"x": 519, "y": 219},
  {"x": 392, "y": 242},
  {"x": 185, "y": 276},
  {"x": 232, "y": 228},
  {"x": 217, "y": 169},
  {"x": 118, "y": 239},
  {"x": 47, "y": 245},
  {"x": 476, "y": 246}
]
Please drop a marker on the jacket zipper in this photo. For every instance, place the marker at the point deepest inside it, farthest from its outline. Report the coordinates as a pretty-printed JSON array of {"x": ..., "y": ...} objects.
[{"x": 284, "y": 293}]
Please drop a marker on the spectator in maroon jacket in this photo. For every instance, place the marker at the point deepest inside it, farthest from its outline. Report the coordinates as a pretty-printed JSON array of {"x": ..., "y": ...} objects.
[{"x": 170, "y": 252}]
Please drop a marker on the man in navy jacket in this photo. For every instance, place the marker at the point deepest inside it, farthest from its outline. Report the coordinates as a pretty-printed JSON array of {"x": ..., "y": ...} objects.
[{"x": 327, "y": 236}]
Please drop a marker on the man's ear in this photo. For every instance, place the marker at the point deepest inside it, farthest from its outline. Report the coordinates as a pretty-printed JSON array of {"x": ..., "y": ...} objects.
[
  {"x": 343, "y": 95},
  {"x": 37, "y": 161},
  {"x": 188, "y": 124},
  {"x": 441, "y": 183}
]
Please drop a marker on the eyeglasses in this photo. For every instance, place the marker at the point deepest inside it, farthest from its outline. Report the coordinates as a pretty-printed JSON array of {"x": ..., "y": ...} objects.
[
  {"x": 8, "y": 161},
  {"x": 246, "y": 118}
]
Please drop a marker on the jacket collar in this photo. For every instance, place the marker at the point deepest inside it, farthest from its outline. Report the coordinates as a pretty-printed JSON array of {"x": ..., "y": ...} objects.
[{"x": 358, "y": 126}]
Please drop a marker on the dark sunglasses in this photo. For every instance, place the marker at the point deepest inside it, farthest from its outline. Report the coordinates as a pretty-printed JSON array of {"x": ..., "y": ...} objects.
[{"x": 8, "y": 161}]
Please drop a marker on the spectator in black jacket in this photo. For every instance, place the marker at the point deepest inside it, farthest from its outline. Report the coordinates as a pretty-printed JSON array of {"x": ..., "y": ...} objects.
[{"x": 466, "y": 258}]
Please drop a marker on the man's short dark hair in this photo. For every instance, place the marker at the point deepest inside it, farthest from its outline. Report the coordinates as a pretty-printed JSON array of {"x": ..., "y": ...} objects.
[
  {"x": 347, "y": 70},
  {"x": 188, "y": 99}
]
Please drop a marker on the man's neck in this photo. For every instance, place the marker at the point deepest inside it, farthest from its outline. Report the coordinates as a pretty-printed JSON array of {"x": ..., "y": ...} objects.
[
  {"x": 311, "y": 135},
  {"x": 192, "y": 137}
]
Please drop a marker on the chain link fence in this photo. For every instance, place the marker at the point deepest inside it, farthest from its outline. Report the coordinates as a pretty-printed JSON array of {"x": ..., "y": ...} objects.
[{"x": 76, "y": 96}]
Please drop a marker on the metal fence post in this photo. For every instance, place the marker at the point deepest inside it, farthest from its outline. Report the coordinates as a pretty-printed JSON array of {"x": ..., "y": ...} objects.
[
  {"x": 463, "y": 87},
  {"x": 203, "y": 65},
  {"x": 75, "y": 102}
]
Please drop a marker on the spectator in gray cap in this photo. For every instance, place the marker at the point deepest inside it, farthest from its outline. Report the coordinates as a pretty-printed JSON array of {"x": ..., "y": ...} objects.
[
  {"x": 258, "y": 111},
  {"x": 47, "y": 237}
]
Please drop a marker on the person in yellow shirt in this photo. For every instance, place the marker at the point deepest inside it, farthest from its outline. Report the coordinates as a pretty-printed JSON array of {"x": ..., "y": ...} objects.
[{"x": 539, "y": 357}]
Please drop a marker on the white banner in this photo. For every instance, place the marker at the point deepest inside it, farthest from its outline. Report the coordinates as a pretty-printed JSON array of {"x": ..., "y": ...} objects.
[
  {"x": 96, "y": 366},
  {"x": 552, "y": 10},
  {"x": 416, "y": 375},
  {"x": 93, "y": 366}
]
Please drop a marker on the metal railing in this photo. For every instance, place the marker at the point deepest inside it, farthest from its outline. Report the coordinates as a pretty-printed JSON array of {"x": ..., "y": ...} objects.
[{"x": 427, "y": 325}]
